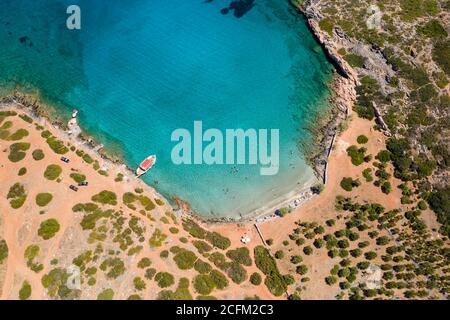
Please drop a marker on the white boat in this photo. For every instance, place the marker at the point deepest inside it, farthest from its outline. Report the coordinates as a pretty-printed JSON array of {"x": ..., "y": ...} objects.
[{"x": 146, "y": 165}]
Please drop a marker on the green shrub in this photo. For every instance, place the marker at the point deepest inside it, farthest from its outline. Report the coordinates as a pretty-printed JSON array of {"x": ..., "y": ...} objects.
[
  {"x": 433, "y": 29},
  {"x": 204, "y": 284},
  {"x": 139, "y": 283},
  {"x": 157, "y": 238},
  {"x": 48, "y": 228},
  {"x": 355, "y": 60},
  {"x": 164, "y": 279},
  {"x": 367, "y": 174},
  {"x": 362, "y": 139},
  {"x": 237, "y": 273},
  {"x": 52, "y": 172},
  {"x": 370, "y": 255},
  {"x": 330, "y": 280},
  {"x": 202, "y": 267},
  {"x": 144, "y": 263},
  {"x": 18, "y": 135},
  {"x": 42, "y": 199},
  {"x": 25, "y": 118},
  {"x": 255, "y": 279},
  {"x": 3, "y": 250},
  {"x": 302, "y": 269},
  {"x": 327, "y": 25},
  {"x": 17, "y": 151},
  {"x": 441, "y": 55},
  {"x": 181, "y": 293},
  {"x": 185, "y": 259},
  {"x": 25, "y": 291},
  {"x": 217, "y": 240},
  {"x": 194, "y": 229},
  {"x": 386, "y": 187},
  {"x": 422, "y": 205},
  {"x": 46, "y": 134},
  {"x": 22, "y": 171},
  {"x": 105, "y": 197},
  {"x": 348, "y": 183},
  {"x": 107, "y": 294},
  {"x": 202, "y": 246},
  {"x": 279, "y": 254},
  {"x": 274, "y": 280},
  {"x": 439, "y": 202},
  {"x": 296, "y": 259},
  {"x": 413, "y": 9},
  {"x": 356, "y": 154},
  {"x": 219, "y": 279},
  {"x": 57, "y": 145},
  {"x": 38, "y": 154},
  {"x": 17, "y": 195},
  {"x": 240, "y": 255},
  {"x": 114, "y": 267},
  {"x": 77, "y": 177},
  {"x": 150, "y": 273},
  {"x": 307, "y": 250}
]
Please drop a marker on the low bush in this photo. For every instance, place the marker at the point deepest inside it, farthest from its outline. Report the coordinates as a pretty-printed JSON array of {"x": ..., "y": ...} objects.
[
  {"x": 274, "y": 280},
  {"x": 17, "y": 151},
  {"x": 38, "y": 154},
  {"x": 17, "y": 195},
  {"x": 255, "y": 279},
  {"x": 202, "y": 267},
  {"x": 185, "y": 259},
  {"x": 217, "y": 240},
  {"x": 3, "y": 250},
  {"x": 219, "y": 279},
  {"x": 105, "y": 197},
  {"x": 42, "y": 199},
  {"x": 25, "y": 291},
  {"x": 348, "y": 183},
  {"x": 48, "y": 228},
  {"x": 107, "y": 294},
  {"x": 357, "y": 155},
  {"x": 57, "y": 145},
  {"x": 77, "y": 177},
  {"x": 236, "y": 272},
  {"x": 355, "y": 60},
  {"x": 52, "y": 172},
  {"x": 204, "y": 284},
  {"x": 240, "y": 255}
]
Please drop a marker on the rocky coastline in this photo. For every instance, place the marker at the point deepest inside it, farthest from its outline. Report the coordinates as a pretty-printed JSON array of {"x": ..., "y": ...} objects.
[{"x": 343, "y": 93}]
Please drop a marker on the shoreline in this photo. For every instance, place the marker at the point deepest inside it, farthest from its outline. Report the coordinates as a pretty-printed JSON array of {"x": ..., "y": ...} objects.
[
  {"x": 90, "y": 147},
  {"x": 326, "y": 129}
]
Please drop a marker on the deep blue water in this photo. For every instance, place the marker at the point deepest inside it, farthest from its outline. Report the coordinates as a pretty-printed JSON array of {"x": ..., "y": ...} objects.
[{"x": 137, "y": 70}]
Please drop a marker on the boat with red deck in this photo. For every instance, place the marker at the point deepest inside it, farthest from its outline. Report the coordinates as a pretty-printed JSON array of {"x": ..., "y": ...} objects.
[{"x": 146, "y": 165}]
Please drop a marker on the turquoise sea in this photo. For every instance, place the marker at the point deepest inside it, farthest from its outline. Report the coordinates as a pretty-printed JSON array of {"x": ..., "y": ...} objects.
[{"x": 137, "y": 70}]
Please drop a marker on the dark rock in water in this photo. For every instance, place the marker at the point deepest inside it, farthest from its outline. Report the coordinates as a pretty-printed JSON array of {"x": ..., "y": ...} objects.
[
  {"x": 239, "y": 7},
  {"x": 24, "y": 39},
  {"x": 9, "y": 33}
]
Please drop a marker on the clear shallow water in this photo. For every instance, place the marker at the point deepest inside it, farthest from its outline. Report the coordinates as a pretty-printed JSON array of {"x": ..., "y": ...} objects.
[{"x": 140, "y": 69}]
